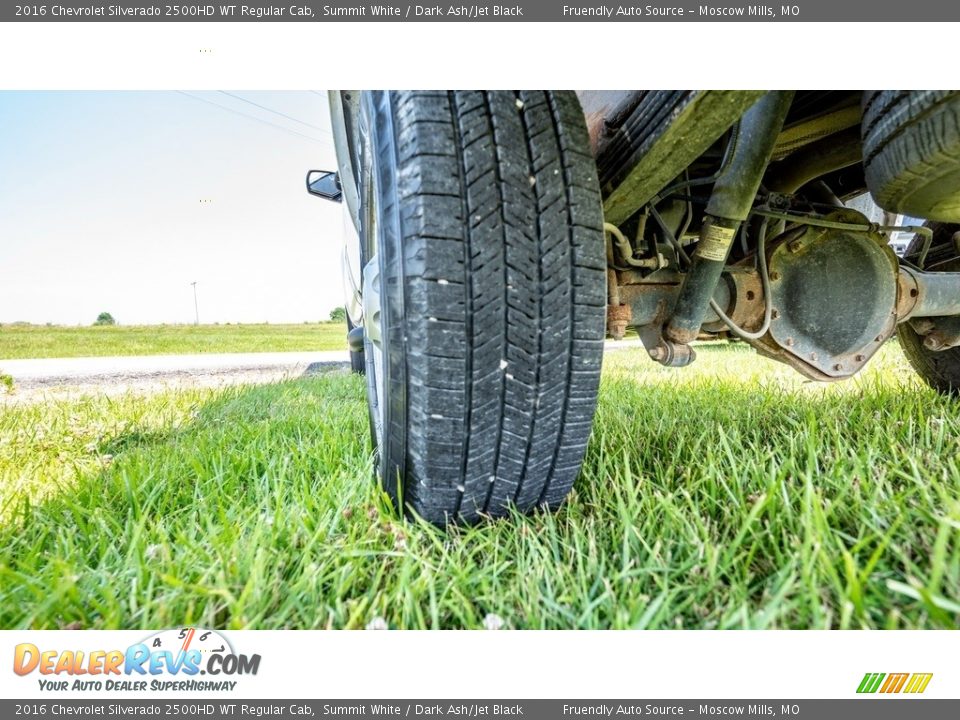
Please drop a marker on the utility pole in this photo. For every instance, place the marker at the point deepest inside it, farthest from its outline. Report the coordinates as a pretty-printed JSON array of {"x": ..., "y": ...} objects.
[{"x": 196, "y": 308}]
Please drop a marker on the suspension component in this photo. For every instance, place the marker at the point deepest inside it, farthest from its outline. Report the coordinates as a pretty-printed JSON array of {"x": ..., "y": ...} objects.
[
  {"x": 930, "y": 302},
  {"x": 730, "y": 202}
]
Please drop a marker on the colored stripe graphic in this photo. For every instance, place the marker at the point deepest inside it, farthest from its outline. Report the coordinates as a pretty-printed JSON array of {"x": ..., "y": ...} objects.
[
  {"x": 894, "y": 683},
  {"x": 918, "y": 682},
  {"x": 870, "y": 682}
]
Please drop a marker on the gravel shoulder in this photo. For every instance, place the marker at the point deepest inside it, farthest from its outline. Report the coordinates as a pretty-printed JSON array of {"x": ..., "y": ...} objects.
[
  {"x": 55, "y": 378},
  {"x": 39, "y": 380}
]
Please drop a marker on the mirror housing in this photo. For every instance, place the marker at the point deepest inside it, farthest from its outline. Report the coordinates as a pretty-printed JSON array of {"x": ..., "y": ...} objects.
[{"x": 325, "y": 184}]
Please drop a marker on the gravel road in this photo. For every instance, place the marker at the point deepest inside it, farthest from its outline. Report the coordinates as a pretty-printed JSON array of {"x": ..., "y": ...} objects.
[{"x": 50, "y": 378}]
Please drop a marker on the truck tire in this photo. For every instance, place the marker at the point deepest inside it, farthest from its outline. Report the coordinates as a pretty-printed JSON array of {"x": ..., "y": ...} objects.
[
  {"x": 911, "y": 151},
  {"x": 484, "y": 294},
  {"x": 939, "y": 369}
]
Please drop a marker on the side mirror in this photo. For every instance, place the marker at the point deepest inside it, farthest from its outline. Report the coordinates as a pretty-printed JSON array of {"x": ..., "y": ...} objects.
[{"x": 325, "y": 184}]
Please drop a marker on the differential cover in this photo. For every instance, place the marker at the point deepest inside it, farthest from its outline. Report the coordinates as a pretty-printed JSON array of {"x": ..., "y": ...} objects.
[{"x": 834, "y": 295}]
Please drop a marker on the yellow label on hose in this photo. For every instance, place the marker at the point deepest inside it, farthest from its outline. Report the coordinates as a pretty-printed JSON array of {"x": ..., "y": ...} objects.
[{"x": 716, "y": 242}]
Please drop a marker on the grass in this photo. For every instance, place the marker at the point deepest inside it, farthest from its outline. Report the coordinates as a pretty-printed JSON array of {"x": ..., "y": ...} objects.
[
  {"x": 731, "y": 494},
  {"x": 42, "y": 341}
]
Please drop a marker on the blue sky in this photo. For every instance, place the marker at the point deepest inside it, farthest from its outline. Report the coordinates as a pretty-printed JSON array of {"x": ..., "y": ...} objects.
[{"x": 117, "y": 201}]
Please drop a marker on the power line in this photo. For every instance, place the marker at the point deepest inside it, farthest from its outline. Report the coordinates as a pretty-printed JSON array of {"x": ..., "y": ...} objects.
[
  {"x": 275, "y": 112},
  {"x": 253, "y": 117}
]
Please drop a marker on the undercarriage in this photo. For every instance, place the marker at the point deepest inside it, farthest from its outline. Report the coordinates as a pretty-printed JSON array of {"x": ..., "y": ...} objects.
[{"x": 726, "y": 217}]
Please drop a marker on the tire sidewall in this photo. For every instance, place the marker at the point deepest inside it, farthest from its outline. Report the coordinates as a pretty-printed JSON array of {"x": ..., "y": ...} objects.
[{"x": 380, "y": 238}]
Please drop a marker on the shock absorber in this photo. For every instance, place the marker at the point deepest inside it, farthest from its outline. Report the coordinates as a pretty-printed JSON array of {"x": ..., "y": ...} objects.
[{"x": 729, "y": 205}]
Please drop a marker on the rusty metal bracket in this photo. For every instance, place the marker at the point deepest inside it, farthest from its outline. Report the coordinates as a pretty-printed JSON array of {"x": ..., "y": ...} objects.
[
  {"x": 659, "y": 349},
  {"x": 943, "y": 333},
  {"x": 618, "y": 320}
]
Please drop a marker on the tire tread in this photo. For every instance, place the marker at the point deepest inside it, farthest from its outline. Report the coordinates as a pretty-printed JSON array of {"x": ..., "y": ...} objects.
[
  {"x": 911, "y": 151},
  {"x": 504, "y": 271}
]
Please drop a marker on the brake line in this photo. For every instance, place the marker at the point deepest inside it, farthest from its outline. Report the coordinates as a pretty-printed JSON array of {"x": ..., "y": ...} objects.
[
  {"x": 764, "y": 280},
  {"x": 767, "y": 300},
  {"x": 925, "y": 232}
]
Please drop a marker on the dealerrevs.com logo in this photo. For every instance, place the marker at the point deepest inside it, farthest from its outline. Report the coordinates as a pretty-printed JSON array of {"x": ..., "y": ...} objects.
[
  {"x": 169, "y": 660},
  {"x": 888, "y": 683}
]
